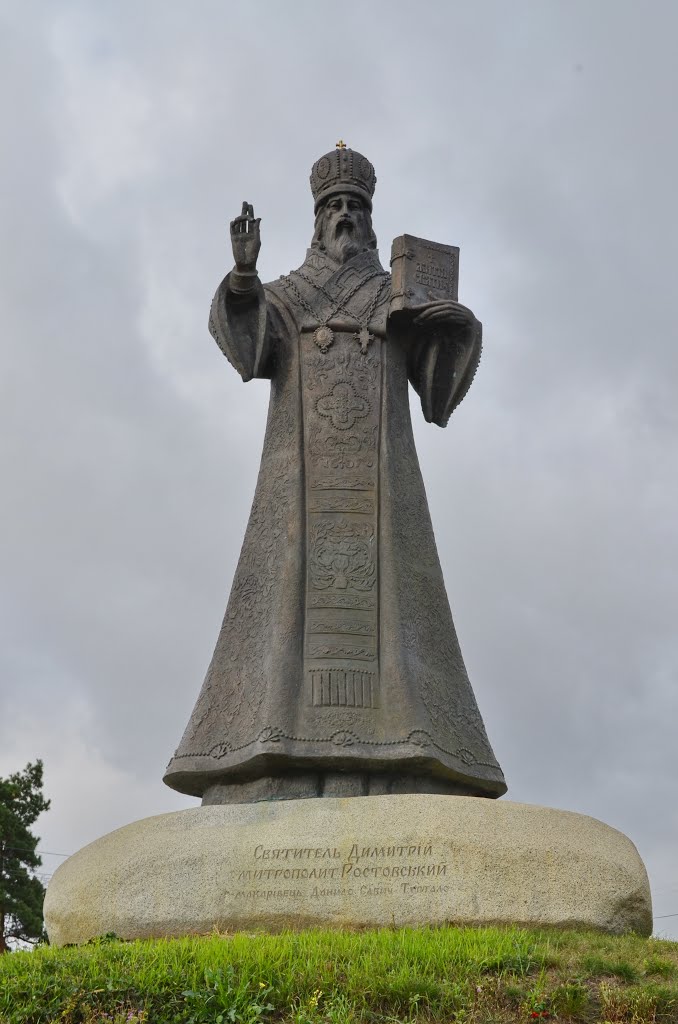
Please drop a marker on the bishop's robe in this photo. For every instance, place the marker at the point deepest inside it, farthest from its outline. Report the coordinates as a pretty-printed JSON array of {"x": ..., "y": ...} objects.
[{"x": 337, "y": 670}]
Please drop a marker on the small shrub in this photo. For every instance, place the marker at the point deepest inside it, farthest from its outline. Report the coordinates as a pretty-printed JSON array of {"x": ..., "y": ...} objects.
[
  {"x": 656, "y": 965},
  {"x": 598, "y": 966},
  {"x": 226, "y": 998},
  {"x": 570, "y": 999},
  {"x": 515, "y": 995},
  {"x": 635, "y": 1005}
]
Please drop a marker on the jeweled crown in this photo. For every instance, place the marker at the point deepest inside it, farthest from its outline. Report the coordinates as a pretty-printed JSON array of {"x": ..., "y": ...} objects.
[{"x": 342, "y": 170}]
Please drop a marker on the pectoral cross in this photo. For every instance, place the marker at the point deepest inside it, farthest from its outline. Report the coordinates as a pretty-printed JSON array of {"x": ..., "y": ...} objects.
[{"x": 364, "y": 338}]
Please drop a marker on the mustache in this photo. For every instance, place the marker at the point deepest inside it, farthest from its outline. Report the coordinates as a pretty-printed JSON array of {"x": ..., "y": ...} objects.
[{"x": 344, "y": 226}]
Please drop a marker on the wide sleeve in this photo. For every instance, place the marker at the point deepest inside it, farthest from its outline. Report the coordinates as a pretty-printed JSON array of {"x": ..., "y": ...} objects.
[
  {"x": 240, "y": 324},
  {"x": 441, "y": 366}
]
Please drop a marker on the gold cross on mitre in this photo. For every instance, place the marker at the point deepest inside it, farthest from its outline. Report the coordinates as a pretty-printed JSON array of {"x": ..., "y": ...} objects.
[{"x": 341, "y": 144}]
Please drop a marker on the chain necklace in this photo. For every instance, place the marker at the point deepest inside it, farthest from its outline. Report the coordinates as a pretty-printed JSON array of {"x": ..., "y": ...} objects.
[{"x": 323, "y": 335}]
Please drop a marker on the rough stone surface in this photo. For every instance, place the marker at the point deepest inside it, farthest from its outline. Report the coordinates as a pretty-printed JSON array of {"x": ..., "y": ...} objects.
[{"x": 382, "y": 860}]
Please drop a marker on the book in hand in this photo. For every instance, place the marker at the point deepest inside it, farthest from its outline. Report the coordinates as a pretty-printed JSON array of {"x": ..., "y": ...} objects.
[{"x": 421, "y": 272}]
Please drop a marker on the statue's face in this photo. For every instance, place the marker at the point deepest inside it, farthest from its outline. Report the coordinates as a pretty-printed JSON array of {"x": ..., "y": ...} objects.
[{"x": 346, "y": 228}]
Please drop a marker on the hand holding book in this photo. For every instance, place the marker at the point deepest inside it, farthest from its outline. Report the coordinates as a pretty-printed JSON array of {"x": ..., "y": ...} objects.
[{"x": 442, "y": 312}]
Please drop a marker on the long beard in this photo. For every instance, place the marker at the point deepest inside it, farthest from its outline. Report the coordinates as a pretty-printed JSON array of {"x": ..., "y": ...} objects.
[{"x": 344, "y": 246}]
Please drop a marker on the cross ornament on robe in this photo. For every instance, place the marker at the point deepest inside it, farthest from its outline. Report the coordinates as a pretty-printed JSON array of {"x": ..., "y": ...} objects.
[
  {"x": 342, "y": 406},
  {"x": 363, "y": 337}
]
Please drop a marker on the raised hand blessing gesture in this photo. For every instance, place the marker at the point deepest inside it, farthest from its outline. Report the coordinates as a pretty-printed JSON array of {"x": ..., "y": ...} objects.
[{"x": 246, "y": 240}]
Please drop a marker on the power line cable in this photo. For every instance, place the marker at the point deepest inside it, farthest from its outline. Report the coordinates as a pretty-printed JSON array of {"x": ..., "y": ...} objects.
[{"x": 27, "y": 849}]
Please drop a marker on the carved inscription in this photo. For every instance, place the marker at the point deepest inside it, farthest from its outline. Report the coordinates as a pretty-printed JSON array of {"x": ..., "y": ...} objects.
[
  {"x": 422, "y": 270},
  {"x": 320, "y": 873},
  {"x": 434, "y": 275}
]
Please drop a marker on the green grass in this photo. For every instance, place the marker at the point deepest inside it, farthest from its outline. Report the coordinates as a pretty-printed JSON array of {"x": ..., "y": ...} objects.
[{"x": 468, "y": 975}]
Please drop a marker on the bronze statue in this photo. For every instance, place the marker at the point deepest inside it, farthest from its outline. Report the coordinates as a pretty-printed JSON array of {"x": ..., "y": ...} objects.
[{"x": 337, "y": 671}]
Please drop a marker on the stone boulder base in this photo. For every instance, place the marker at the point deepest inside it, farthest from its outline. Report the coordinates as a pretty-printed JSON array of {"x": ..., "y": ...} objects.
[{"x": 362, "y": 861}]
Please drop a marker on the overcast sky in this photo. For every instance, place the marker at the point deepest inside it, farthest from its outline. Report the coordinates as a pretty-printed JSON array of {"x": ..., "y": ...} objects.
[{"x": 540, "y": 138}]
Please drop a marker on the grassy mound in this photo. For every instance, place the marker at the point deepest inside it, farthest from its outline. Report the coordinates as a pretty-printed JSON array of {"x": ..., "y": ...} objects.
[{"x": 470, "y": 975}]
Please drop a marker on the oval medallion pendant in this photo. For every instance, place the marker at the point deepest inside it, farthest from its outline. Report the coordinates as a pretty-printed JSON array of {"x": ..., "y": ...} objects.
[{"x": 323, "y": 336}]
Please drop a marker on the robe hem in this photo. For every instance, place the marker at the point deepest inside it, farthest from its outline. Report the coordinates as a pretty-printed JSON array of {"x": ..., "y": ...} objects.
[{"x": 193, "y": 778}]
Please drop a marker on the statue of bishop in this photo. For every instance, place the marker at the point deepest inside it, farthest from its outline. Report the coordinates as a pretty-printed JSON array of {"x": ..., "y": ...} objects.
[{"x": 337, "y": 671}]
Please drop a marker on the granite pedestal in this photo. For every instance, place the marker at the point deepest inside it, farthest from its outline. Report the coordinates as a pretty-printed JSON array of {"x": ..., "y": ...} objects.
[{"x": 355, "y": 862}]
